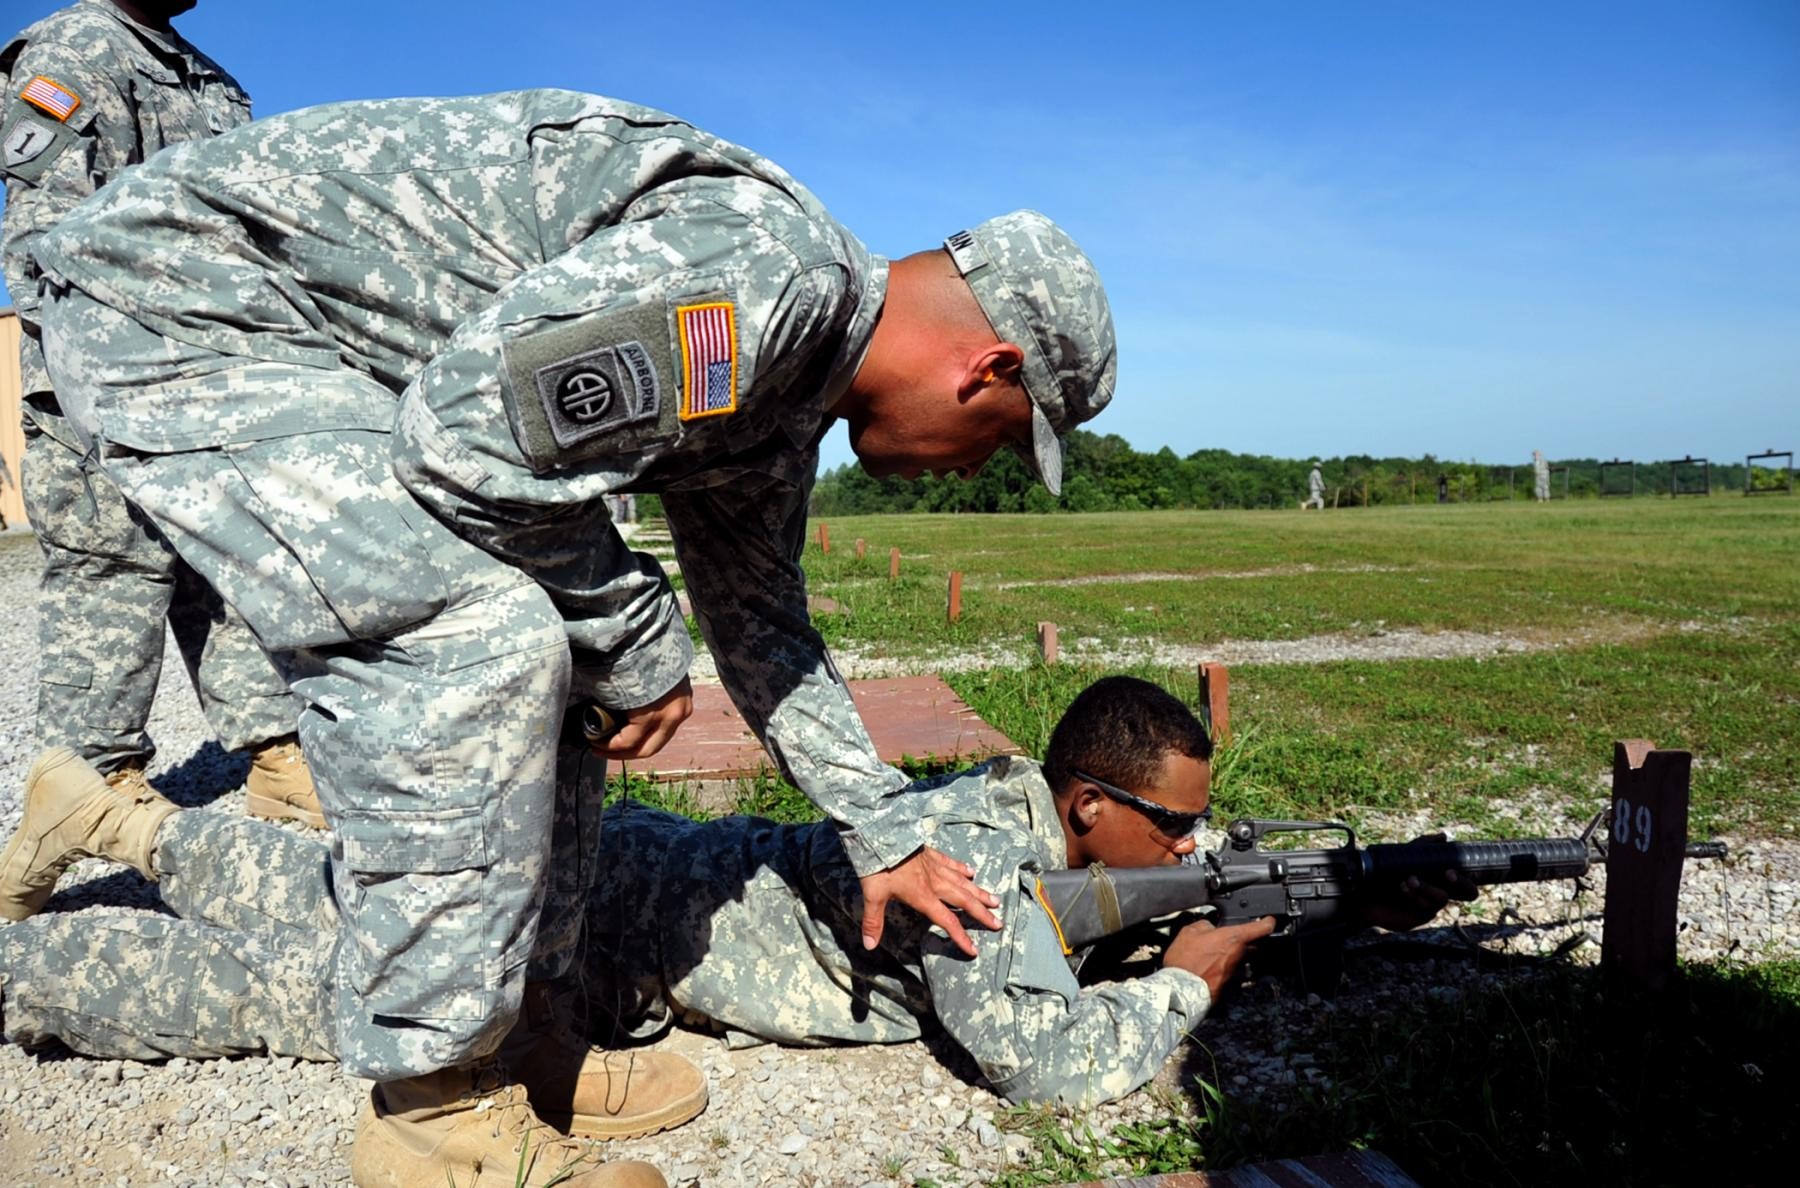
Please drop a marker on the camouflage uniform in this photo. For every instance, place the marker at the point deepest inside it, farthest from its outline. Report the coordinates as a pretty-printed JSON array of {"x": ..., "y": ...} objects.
[
  {"x": 110, "y": 579},
  {"x": 577, "y": 296},
  {"x": 750, "y": 925}
]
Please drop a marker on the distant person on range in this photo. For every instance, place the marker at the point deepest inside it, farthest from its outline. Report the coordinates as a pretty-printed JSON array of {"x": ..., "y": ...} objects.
[
  {"x": 1315, "y": 489},
  {"x": 85, "y": 94},
  {"x": 555, "y": 297}
]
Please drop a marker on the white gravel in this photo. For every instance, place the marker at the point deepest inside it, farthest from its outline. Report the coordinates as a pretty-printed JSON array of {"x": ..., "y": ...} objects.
[{"x": 853, "y": 1117}]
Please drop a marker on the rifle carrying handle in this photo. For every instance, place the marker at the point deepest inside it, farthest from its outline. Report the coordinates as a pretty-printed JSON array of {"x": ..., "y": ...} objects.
[{"x": 599, "y": 723}]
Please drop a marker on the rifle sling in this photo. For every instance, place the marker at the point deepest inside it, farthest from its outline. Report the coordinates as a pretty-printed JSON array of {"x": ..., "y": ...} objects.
[{"x": 1106, "y": 898}]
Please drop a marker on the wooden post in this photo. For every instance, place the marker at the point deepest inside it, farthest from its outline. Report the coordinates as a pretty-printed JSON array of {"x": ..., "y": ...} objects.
[
  {"x": 824, "y": 538},
  {"x": 861, "y": 546},
  {"x": 893, "y": 564},
  {"x": 1644, "y": 855},
  {"x": 1215, "y": 692},
  {"x": 955, "y": 595},
  {"x": 1046, "y": 640}
]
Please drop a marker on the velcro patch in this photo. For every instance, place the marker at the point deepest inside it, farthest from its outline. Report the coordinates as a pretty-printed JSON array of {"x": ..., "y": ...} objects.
[
  {"x": 29, "y": 143},
  {"x": 50, "y": 97},
  {"x": 587, "y": 386},
  {"x": 597, "y": 391},
  {"x": 708, "y": 336}
]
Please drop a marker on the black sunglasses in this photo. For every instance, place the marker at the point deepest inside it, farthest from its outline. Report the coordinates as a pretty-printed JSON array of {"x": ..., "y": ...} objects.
[{"x": 1166, "y": 820}]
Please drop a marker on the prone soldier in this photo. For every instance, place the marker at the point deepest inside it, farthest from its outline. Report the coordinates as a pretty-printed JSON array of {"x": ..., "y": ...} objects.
[{"x": 740, "y": 924}]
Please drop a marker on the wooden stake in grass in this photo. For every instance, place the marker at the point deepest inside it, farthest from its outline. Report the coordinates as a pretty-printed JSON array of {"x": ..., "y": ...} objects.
[
  {"x": 1215, "y": 693},
  {"x": 893, "y": 565},
  {"x": 1644, "y": 856},
  {"x": 861, "y": 545},
  {"x": 1046, "y": 640},
  {"x": 824, "y": 538},
  {"x": 955, "y": 595}
]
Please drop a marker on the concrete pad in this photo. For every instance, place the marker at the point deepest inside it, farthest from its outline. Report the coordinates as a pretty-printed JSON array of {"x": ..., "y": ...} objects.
[{"x": 914, "y": 717}]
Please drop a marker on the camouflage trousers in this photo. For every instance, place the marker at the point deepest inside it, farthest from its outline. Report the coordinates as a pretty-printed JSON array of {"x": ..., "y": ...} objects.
[
  {"x": 250, "y": 966},
  {"x": 254, "y": 965},
  {"x": 109, "y": 582},
  {"x": 434, "y": 677}
]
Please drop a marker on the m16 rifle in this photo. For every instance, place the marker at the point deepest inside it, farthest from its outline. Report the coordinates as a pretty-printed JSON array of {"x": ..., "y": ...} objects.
[{"x": 1316, "y": 896}]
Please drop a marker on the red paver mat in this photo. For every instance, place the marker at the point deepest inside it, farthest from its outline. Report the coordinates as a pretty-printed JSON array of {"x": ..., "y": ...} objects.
[{"x": 907, "y": 716}]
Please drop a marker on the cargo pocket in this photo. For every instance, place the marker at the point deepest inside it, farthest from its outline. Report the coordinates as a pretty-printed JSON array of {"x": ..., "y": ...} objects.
[
  {"x": 417, "y": 945},
  {"x": 331, "y": 502},
  {"x": 138, "y": 975},
  {"x": 73, "y": 672}
]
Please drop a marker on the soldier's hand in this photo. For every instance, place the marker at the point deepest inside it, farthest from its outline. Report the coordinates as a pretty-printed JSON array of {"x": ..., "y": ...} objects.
[
  {"x": 934, "y": 885},
  {"x": 648, "y": 727},
  {"x": 1214, "y": 954},
  {"x": 1416, "y": 899}
]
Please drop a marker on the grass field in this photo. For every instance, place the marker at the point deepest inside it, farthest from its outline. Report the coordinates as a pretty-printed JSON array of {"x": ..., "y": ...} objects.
[
  {"x": 1581, "y": 623},
  {"x": 1677, "y": 621}
]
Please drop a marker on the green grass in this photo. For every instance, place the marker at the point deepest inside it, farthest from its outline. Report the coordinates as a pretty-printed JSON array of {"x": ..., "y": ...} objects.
[
  {"x": 1674, "y": 621},
  {"x": 1678, "y": 622}
]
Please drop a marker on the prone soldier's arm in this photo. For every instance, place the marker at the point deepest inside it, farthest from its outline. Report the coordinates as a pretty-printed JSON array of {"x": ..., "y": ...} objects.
[{"x": 1038, "y": 1036}]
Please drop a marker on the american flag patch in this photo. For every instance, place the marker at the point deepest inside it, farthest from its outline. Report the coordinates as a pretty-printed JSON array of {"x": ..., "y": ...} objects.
[
  {"x": 708, "y": 359},
  {"x": 50, "y": 97}
]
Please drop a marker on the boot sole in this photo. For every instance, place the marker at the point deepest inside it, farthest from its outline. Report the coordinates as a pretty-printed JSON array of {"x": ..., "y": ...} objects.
[
  {"x": 270, "y": 809},
  {"x": 53, "y": 758},
  {"x": 588, "y": 1126}
]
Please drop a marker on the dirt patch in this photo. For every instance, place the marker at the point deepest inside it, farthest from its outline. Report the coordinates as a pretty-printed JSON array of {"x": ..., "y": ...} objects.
[{"x": 1131, "y": 579}]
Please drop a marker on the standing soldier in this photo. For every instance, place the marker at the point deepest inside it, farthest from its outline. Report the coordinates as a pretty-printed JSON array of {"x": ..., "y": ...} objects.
[
  {"x": 1315, "y": 489},
  {"x": 88, "y": 92}
]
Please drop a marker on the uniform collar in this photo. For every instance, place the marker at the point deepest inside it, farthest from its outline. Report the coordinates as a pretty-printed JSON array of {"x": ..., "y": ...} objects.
[
  {"x": 871, "y": 294},
  {"x": 1018, "y": 787},
  {"x": 172, "y": 44}
]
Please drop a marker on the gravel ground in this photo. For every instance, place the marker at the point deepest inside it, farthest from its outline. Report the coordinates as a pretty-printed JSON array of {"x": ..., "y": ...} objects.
[{"x": 854, "y": 1117}]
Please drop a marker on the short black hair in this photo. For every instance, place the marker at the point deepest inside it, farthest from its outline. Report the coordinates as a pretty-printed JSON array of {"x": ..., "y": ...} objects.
[{"x": 1120, "y": 729}]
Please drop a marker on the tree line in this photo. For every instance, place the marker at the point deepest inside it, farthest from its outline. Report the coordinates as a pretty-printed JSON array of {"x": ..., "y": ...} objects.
[{"x": 1104, "y": 473}]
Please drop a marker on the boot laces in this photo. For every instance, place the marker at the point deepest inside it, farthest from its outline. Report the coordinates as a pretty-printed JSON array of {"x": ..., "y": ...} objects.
[{"x": 496, "y": 1093}]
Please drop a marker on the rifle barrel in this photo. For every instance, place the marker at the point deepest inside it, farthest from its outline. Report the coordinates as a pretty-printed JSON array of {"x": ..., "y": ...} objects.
[{"x": 1517, "y": 861}]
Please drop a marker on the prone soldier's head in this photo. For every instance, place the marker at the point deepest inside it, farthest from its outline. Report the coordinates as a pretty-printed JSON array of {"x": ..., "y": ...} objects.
[
  {"x": 1131, "y": 769},
  {"x": 1001, "y": 338}
]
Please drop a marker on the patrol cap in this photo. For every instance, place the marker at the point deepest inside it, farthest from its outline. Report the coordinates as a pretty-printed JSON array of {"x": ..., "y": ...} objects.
[{"x": 1041, "y": 292}]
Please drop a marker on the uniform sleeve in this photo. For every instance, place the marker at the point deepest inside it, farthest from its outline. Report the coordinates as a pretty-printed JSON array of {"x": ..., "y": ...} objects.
[
  {"x": 51, "y": 164},
  {"x": 739, "y": 547},
  {"x": 1038, "y": 1035}
]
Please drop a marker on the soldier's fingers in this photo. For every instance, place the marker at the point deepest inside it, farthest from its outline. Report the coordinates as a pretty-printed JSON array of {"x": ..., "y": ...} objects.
[
  {"x": 965, "y": 899},
  {"x": 954, "y": 883},
  {"x": 946, "y": 919},
  {"x": 875, "y": 901}
]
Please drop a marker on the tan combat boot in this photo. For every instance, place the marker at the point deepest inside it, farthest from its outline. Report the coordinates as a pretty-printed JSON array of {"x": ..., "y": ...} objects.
[
  {"x": 468, "y": 1127},
  {"x": 591, "y": 1092},
  {"x": 72, "y": 811},
  {"x": 280, "y": 787}
]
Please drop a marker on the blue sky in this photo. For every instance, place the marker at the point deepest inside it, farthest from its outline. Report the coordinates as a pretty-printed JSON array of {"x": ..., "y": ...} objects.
[{"x": 1390, "y": 228}]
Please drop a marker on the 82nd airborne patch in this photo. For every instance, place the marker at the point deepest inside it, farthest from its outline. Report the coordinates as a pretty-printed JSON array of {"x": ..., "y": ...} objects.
[{"x": 594, "y": 392}]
